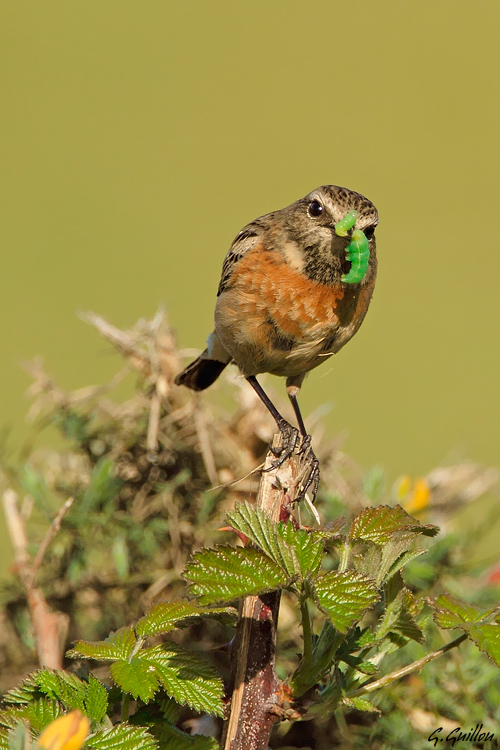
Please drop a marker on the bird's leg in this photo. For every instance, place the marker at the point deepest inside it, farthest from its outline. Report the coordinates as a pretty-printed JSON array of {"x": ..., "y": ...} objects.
[
  {"x": 311, "y": 478},
  {"x": 289, "y": 434}
]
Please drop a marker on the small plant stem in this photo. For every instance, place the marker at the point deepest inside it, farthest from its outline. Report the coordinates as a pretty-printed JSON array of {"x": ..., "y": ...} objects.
[
  {"x": 301, "y": 680},
  {"x": 307, "y": 634},
  {"x": 125, "y": 706},
  {"x": 344, "y": 556},
  {"x": 396, "y": 675}
]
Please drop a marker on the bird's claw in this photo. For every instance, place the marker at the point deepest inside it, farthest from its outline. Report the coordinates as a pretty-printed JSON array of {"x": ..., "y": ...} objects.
[
  {"x": 289, "y": 440},
  {"x": 309, "y": 462},
  {"x": 309, "y": 471}
]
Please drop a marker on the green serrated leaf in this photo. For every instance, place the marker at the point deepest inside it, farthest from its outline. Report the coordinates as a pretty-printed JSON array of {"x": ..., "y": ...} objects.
[
  {"x": 41, "y": 712},
  {"x": 365, "y": 667},
  {"x": 368, "y": 562},
  {"x": 391, "y": 552},
  {"x": 118, "y": 645},
  {"x": 165, "y": 616},
  {"x": 172, "y": 738},
  {"x": 8, "y": 720},
  {"x": 24, "y": 692},
  {"x": 398, "y": 621},
  {"x": 379, "y": 524},
  {"x": 407, "y": 627},
  {"x": 344, "y": 597},
  {"x": 169, "y": 708},
  {"x": 122, "y": 737},
  {"x": 487, "y": 637},
  {"x": 96, "y": 700},
  {"x": 258, "y": 527},
  {"x": 62, "y": 685},
  {"x": 453, "y": 613},
  {"x": 186, "y": 677},
  {"x": 332, "y": 529},
  {"x": 308, "y": 550},
  {"x": 403, "y": 560},
  {"x": 228, "y": 573},
  {"x": 323, "y": 655},
  {"x": 361, "y": 704},
  {"x": 136, "y": 677}
]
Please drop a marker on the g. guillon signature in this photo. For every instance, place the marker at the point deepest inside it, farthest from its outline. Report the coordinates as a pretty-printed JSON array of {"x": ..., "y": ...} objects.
[{"x": 458, "y": 735}]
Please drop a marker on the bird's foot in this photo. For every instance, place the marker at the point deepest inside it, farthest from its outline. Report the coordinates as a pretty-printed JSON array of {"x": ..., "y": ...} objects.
[
  {"x": 309, "y": 470},
  {"x": 309, "y": 464},
  {"x": 289, "y": 441}
]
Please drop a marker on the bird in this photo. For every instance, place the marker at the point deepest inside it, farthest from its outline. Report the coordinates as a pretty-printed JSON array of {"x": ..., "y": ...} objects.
[{"x": 290, "y": 296}]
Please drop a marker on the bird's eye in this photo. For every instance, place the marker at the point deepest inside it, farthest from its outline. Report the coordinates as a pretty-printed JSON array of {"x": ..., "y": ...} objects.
[
  {"x": 369, "y": 231},
  {"x": 315, "y": 209}
]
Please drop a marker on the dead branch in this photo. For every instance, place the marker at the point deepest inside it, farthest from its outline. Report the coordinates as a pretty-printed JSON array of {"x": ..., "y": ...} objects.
[{"x": 49, "y": 628}]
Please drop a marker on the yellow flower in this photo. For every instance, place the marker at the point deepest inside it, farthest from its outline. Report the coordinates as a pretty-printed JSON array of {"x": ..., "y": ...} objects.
[
  {"x": 419, "y": 498},
  {"x": 65, "y": 733}
]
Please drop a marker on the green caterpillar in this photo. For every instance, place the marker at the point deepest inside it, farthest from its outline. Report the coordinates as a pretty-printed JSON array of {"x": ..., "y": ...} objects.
[
  {"x": 357, "y": 251},
  {"x": 342, "y": 227}
]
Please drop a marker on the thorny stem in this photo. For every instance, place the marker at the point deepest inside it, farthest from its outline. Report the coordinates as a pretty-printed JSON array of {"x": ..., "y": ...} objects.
[
  {"x": 369, "y": 687},
  {"x": 256, "y": 693}
]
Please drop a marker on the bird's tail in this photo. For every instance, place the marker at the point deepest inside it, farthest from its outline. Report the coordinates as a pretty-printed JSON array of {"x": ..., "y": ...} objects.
[{"x": 201, "y": 373}]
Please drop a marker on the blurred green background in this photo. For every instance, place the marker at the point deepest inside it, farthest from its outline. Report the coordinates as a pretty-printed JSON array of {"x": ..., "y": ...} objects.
[{"x": 137, "y": 138}]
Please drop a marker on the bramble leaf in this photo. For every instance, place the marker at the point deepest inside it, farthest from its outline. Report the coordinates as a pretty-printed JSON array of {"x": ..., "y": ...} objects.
[
  {"x": 344, "y": 597},
  {"x": 23, "y": 693},
  {"x": 361, "y": 704},
  {"x": 96, "y": 700},
  {"x": 122, "y": 737},
  {"x": 379, "y": 524},
  {"x": 308, "y": 550},
  {"x": 487, "y": 638},
  {"x": 41, "y": 712},
  {"x": 262, "y": 531},
  {"x": 165, "y": 616},
  {"x": 453, "y": 613},
  {"x": 136, "y": 677},
  {"x": 186, "y": 677},
  {"x": 172, "y": 738},
  {"x": 118, "y": 645},
  {"x": 62, "y": 685},
  {"x": 227, "y": 573}
]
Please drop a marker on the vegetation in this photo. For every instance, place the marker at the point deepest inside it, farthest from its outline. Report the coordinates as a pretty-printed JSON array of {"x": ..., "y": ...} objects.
[{"x": 136, "y": 541}]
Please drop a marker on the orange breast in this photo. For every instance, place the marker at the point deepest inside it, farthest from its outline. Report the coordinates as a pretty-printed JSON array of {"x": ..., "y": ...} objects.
[{"x": 268, "y": 287}]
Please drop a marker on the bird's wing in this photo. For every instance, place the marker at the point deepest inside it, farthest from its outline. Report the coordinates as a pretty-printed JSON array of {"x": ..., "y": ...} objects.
[{"x": 244, "y": 242}]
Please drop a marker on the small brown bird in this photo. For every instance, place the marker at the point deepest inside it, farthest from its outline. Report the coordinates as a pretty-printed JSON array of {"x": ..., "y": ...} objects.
[{"x": 283, "y": 303}]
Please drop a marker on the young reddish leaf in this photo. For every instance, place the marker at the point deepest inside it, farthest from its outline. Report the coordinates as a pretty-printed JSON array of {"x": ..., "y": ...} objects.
[
  {"x": 487, "y": 637},
  {"x": 453, "y": 613},
  {"x": 379, "y": 524}
]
